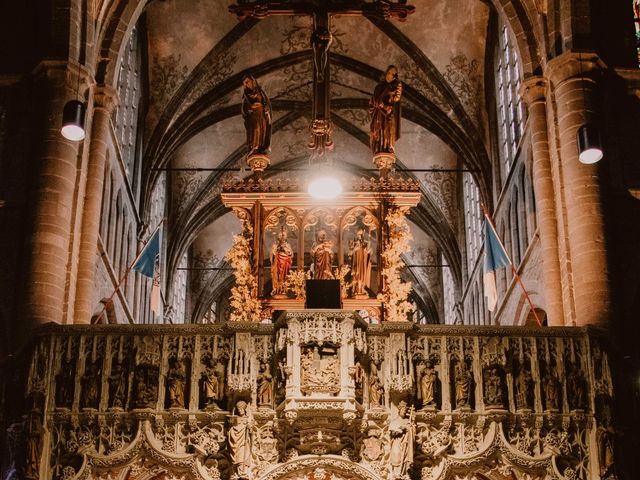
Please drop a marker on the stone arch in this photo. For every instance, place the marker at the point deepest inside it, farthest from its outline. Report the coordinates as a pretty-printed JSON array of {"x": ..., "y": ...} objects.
[{"x": 319, "y": 467}]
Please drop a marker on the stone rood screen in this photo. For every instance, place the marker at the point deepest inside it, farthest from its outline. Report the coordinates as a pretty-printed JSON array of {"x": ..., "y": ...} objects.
[{"x": 316, "y": 395}]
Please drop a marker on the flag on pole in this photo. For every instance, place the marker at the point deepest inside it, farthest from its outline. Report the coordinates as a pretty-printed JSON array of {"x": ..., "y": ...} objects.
[
  {"x": 148, "y": 264},
  {"x": 495, "y": 256}
]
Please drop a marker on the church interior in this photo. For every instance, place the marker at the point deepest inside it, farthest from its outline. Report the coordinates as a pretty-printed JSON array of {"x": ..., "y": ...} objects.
[{"x": 320, "y": 239}]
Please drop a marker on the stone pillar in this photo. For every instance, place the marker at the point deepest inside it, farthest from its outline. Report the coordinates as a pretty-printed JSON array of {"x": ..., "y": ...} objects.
[
  {"x": 580, "y": 208},
  {"x": 105, "y": 100},
  {"x": 54, "y": 201},
  {"x": 533, "y": 93}
]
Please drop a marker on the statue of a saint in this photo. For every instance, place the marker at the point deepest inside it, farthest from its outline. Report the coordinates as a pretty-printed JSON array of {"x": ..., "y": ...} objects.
[
  {"x": 175, "y": 382},
  {"x": 464, "y": 382},
  {"x": 576, "y": 388},
  {"x": 384, "y": 107},
  {"x": 376, "y": 390},
  {"x": 281, "y": 259},
  {"x": 551, "y": 390},
  {"x": 91, "y": 385},
  {"x": 117, "y": 385},
  {"x": 360, "y": 253},
  {"x": 265, "y": 386},
  {"x": 402, "y": 434},
  {"x": 428, "y": 385},
  {"x": 256, "y": 111},
  {"x": 239, "y": 441},
  {"x": 322, "y": 255},
  {"x": 210, "y": 385},
  {"x": 493, "y": 388},
  {"x": 524, "y": 389},
  {"x": 65, "y": 384}
]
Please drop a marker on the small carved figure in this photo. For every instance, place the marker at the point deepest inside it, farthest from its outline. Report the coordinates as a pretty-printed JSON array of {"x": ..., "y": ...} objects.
[
  {"x": 551, "y": 391},
  {"x": 117, "y": 385},
  {"x": 176, "y": 381},
  {"x": 256, "y": 111},
  {"x": 91, "y": 384},
  {"x": 321, "y": 40},
  {"x": 577, "y": 389},
  {"x": 428, "y": 385},
  {"x": 322, "y": 255},
  {"x": 524, "y": 389},
  {"x": 146, "y": 385},
  {"x": 265, "y": 386},
  {"x": 281, "y": 260},
  {"x": 64, "y": 384},
  {"x": 402, "y": 431},
  {"x": 376, "y": 390},
  {"x": 210, "y": 385},
  {"x": 239, "y": 440},
  {"x": 360, "y": 253},
  {"x": 372, "y": 446},
  {"x": 604, "y": 439},
  {"x": 493, "y": 388},
  {"x": 464, "y": 382},
  {"x": 384, "y": 108}
]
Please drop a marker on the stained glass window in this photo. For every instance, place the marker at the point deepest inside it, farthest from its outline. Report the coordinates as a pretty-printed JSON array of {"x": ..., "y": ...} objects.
[
  {"x": 472, "y": 219},
  {"x": 636, "y": 19}
]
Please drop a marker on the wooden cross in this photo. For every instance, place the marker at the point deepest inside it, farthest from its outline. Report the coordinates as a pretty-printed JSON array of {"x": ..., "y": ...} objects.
[{"x": 321, "y": 11}]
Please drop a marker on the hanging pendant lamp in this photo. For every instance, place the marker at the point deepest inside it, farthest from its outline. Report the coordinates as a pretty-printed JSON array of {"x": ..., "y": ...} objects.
[
  {"x": 73, "y": 120},
  {"x": 589, "y": 146}
]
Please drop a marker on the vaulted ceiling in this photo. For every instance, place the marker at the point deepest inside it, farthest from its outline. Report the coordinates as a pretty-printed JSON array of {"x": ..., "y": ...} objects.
[{"x": 198, "y": 53}]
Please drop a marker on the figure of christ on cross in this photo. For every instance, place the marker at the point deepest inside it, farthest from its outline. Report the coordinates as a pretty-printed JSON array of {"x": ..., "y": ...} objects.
[{"x": 321, "y": 11}]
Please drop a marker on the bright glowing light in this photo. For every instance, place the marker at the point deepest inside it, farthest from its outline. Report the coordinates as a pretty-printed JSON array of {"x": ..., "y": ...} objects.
[
  {"x": 591, "y": 155},
  {"x": 74, "y": 133},
  {"x": 325, "y": 188}
]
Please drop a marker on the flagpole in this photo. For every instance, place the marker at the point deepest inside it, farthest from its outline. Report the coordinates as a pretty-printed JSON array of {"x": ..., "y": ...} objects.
[
  {"x": 128, "y": 270},
  {"x": 513, "y": 268}
]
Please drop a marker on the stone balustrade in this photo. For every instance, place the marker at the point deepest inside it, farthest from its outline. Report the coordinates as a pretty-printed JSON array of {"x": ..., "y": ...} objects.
[{"x": 123, "y": 401}]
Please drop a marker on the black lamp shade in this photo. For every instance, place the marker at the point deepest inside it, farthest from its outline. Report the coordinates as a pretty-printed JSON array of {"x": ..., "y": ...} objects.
[
  {"x": 589, "y": 146},
  {"x": 73, "y": 120}
]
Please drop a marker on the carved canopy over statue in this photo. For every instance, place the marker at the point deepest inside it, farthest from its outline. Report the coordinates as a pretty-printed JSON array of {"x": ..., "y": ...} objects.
[
  {"x": 384, "y": 108},
  {"x": 256, "y": 111}
]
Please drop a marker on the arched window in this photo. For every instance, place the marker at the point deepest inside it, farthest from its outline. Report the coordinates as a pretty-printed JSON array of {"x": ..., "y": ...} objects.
[
  {"x": 508, "y": 101},
  {"x": 636, "y": 18},
  {"x": 473, "y": 220},
  {"x": 448, "y": 293}
]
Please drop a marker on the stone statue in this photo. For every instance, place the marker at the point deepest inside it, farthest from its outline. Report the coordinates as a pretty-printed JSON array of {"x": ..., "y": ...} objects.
[
  {"x": 551, "y": 391},
  {"x": 322, "y": 255},
  {"x": 117, "y": 385},
  {"x": 360, "y": 253},
  {"x": 64, "y": 384},
  {"x": 281, "y": 260},
  {"x": 384, "y": 108},
  {"x": 146, "y": 385},
  {"x": 576, "y": 388},
  {"x": 175, "y": 383},
  {"x": 493, "y": 388},
  {"x": 524, "y": 389},
  {"x": 256, "y": 111},
  {"x": 91, "y": 385},
  {"x": 265, "y": 386},
  {"x": 464, "y": 382},
  {"x": 239, "y": 441},
  {"x": 428, "y": 385},
  {"x": 402, "y": 434},
  {"x": 376, "y": 390},
  {"x": 210, "y": 385},
  {"x": 321, "y": 40}
]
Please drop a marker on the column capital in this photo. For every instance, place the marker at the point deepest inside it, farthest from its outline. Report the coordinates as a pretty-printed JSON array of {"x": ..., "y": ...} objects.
[
  {"x": 105, "y": 97},
  {"x": 533, "y": 90},
  {"x": 571, "y": 65}
]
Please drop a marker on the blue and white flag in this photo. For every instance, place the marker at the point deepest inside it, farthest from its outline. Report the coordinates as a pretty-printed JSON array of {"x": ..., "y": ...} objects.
[
  {"x": 148, "y": 264},
  {"x": 495, "y": 256}
]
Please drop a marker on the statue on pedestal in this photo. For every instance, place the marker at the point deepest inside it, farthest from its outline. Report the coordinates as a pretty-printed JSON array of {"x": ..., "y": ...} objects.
[
  {"x": 402, "y": 433},
  {"x": 384, "y": 108},
  {"x": 376, "y": 390},
  {"x": 322, "y": 256},
  {"x": 210, "y": 385},
  {"x": 175, "y": 382},
  {"x": 428, "y": 385},
  {"x": 256, "y": 111},
  {"x": 239, "y": 441},
  {"x": 360, "y": 253},
  {"x": 464, "y": 382},
  {"x": 265, "y": 386},
  {"x": 281, "y": 260}
]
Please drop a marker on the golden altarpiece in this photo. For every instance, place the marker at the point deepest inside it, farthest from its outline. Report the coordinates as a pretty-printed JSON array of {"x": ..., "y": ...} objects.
[{"x": 282, "y": 392}]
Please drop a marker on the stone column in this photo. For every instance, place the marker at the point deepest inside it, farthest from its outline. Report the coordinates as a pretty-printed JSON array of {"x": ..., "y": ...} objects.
[
  {"x": 533, "y": 93},
  {"x": 580, "y": 208},
  {"x": 54, "y": 201},
  {"x": 104, "y": 100}
]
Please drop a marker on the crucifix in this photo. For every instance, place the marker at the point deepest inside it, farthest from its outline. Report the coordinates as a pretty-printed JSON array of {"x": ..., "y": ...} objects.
[{"x": 321, "y": 11}]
